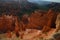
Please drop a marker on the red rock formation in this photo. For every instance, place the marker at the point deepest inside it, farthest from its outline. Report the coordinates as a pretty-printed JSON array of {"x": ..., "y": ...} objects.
[
  {"x": 38, "y": 20},
  {"x": 41, "y": 20},
  {"x": 9, "y": 24}
]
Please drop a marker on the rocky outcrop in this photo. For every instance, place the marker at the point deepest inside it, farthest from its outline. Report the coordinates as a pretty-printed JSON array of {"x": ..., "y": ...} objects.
[
  {"x": 9, "y": 24},
  {"x": 6, "y": 22},
  {"x": 58, "y": 23},
  {"x": 41, "y": 20}
]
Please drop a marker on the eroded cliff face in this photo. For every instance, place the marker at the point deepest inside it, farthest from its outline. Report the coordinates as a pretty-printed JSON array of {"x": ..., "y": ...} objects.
[
  {"x": 42, "y": 20},
  {"x": 55, "y": 33},
  {"x": 58, "y": 23},
  {"x": 39, "y": 21},
  {"x": 6, "y": 23}
]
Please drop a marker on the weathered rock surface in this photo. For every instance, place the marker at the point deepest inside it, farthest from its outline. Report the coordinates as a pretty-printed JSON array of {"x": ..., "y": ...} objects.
[{"x": 38, "y": 24}]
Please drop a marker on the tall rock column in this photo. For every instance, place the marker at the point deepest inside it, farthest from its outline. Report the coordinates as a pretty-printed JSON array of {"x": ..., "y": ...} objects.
[
  {"x": 17, "y": 27},
  {"x": 49, "y": 15},
  {"x": 58, "y": 23}
]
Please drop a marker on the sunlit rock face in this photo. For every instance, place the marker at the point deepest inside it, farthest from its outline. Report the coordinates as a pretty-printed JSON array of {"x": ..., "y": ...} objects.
[
  {"x": 58, "y": 23},
  {"x": 40, "y": 20},
  {"x": 7, "y": 23}
]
